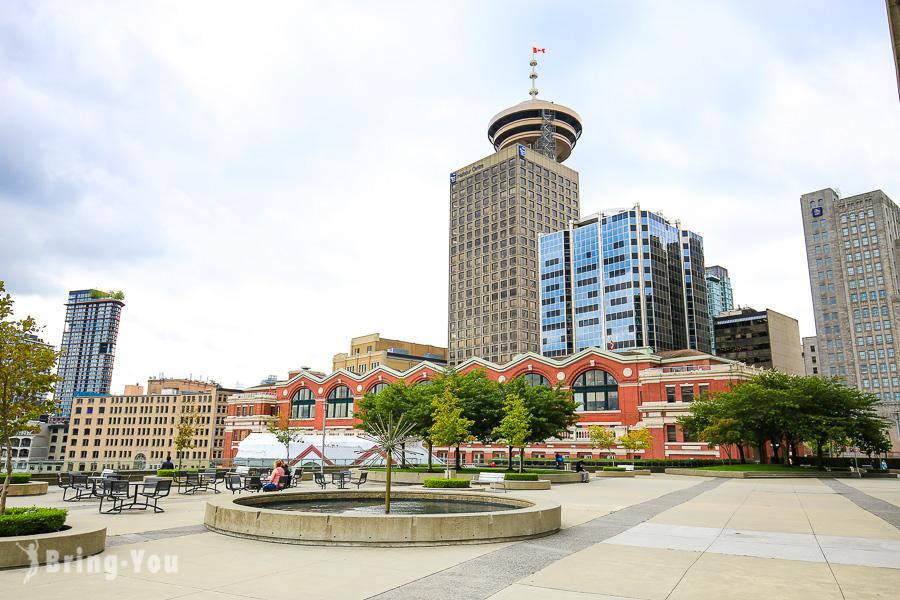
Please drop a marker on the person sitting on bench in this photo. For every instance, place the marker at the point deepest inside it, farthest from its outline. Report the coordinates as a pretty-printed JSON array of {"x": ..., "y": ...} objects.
[
  {"x": 277, "y": 473},
  {"x": 579, "y": 468}
]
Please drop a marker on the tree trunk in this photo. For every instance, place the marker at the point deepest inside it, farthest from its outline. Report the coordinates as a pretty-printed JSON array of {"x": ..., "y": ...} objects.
[
  {"x": 458, "y": 465},
  {"x": 509, "y": 459},
  {"x": 387, "y": 487},
  {"x": 8, "y": 479},
  {"x": 403, "y": 455},
  {"x": 522, "y": 459},
  {"x": 741, "y": 452},
  {"x": 430, "y": 468},
  {"x": 820, "y": 459},
  {"x": 761, "y": 446}
]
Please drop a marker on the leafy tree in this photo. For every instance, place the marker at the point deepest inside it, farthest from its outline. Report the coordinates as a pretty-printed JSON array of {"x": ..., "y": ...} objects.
[
  {"x": 515, "y": 427},
  {"x": 390, "y": 403},
  {"x": 602, "y": 437},
  {"x": 284, "y": 433},
  {"x": 636, "y": 439},
  {"x": 390, "y": 437},
  {"x": 552, "y": 410},
  {"x": 186, "y": 428},
  {"x": 25, "y": 378},
  {"x": 450, "y": 428}
]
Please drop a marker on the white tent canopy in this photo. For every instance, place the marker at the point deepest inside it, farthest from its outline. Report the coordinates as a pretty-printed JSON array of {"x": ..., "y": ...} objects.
[{"x": 259, "y": 449}]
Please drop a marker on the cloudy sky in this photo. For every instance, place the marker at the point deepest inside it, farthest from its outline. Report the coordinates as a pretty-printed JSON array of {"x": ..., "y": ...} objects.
[{"x": 267, "y": 180}]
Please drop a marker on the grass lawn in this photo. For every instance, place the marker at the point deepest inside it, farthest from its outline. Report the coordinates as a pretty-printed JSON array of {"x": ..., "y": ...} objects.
[{"x": 752, "y": 467}]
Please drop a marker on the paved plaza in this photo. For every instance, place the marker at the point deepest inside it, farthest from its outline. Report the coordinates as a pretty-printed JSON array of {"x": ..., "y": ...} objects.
[{"x": 656, "y": 537}]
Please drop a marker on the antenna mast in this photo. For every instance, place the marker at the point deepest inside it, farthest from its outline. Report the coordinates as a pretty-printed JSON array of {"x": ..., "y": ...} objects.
[{"x": 546, "y": 144}]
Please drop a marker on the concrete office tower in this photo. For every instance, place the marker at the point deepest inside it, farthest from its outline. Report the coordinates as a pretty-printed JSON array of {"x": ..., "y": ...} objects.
[
  {"x": 810, "y": 356},
  {"x": 624, "y": 279},
  {"x": 88, "y": 346},
  {"x": 760, "y": 338},
  {"x": 498, "y": 206},
  {"x": 850, "y": 249},
  {"x": 718, "y": 291}
]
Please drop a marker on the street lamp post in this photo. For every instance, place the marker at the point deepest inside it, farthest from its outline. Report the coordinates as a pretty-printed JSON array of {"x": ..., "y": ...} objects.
[{"x": 324, "y": 421}]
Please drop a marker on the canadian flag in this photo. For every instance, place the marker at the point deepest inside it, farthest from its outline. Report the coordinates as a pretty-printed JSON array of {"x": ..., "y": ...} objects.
[
  {"x": 612, "y": 345},
  {"x": 541, "y": 50}
]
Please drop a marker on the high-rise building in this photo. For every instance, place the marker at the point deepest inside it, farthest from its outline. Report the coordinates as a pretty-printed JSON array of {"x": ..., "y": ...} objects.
[
  {"x": 498, "y": 206},
  {"x": 624, "y": 279},
  {"x": 88, "y": 346},
  {"x": 718, "y": 293},
  {"x": 760, "y": 338},
  {"x": 850, "y": 249}
]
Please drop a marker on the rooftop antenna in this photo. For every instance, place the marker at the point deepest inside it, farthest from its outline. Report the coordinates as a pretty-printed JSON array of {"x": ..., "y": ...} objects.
[{"x": 546, "y": 143}]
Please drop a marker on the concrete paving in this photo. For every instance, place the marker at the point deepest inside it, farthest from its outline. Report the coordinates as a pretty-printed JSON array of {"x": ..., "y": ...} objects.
[{"x": 662, "y": 536}]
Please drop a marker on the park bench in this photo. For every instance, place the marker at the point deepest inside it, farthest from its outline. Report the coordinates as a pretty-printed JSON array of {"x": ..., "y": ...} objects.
[{"x": 494, "y": 479}]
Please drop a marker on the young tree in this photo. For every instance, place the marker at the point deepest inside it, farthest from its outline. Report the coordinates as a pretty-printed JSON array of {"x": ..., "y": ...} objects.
[
  {"x": 552, "y": 410},
  {"x": 602, "y": 437},
  {"x": 515, "y": 427},
  {"x": 481, "y": 400},
  {"x": 25, "y": 378},
  {"x": 284, "y": 433},
  {"x": 389, "y": 437},
  {"x": 636, "y": 439},
  {"x": 186, "y": 427},
  {"x": 450, "y": 427}
]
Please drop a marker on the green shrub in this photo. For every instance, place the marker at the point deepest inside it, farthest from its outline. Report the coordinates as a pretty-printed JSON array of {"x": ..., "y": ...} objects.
[
  {"x": 28, "y": 521},
  {"x": 438, "y": 482},
  {"x": 877, "y": 471},
  {"x": 165, "y": 473},
  {"x": 16, "y": 478},
  {"x": 638, "y": 468},
  {"x": 521, "y": 477},
  {"x": 614, "y": 468}
]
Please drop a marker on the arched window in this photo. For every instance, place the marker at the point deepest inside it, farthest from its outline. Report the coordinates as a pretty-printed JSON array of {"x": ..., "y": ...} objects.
[
  {"x": 423, "y": 382},
  {"x": 377, "y": 388},
  {"x": 303, "y": 404},
  {"x": 534, "y": 379},
  {"x": 596, "y": 390},
  {"x": 340, "y": 403}
]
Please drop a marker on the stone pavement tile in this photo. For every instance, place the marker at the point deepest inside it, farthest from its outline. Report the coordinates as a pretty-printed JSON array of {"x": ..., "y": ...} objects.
[
  {"x": 766, "y": 550},
  {"x": 530, "y": 592},
  {"x": 706, "y": 533},
  {"x": 769, "y": 537},
  {"x": 698, "y": 514},
  {"x": 726, "y": 577},
  {"x": 324, "y": 581},
  {"x": 644, "y": 540},
  {"x": 770, "y": 518},
  {"x": 211, "y": 595},
  {"x": 836, "y": 515},
  {"x": 417, "y": 559},
  {"x": 97, "y": 587},
  {"x": 646, "y": 573},
  {"x": 856, "y": 543},
  {"x": 863, "y": 558},
  {"x": 866, "y": 583}
]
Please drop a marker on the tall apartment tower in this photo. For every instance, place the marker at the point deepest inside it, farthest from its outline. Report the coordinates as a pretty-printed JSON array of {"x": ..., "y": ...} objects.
[
  {"x": 621, "y": 280},
  {"x": 718, "y": 291},
  {"x": 88, "y": 346},
  {"x": 498, "y": 206},
  {"x": 850, "y": 249}
]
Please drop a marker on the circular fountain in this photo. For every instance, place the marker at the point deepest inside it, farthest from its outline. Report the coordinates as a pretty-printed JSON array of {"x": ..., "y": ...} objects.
[{"x": 352, "y": 518}]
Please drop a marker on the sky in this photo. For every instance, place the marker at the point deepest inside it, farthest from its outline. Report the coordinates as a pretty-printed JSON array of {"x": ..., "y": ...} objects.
[{"x": 267, "y": 180}]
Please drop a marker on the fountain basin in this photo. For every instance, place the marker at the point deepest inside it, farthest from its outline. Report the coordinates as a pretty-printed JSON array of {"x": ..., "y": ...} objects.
[{"x": 249, "y": 517}]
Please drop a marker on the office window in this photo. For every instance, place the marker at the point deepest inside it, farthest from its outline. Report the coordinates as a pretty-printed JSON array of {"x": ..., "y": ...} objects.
[{"x": 671, "y": 433}]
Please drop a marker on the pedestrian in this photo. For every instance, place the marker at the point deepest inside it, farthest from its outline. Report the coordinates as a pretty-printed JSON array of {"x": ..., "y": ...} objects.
[
  {"x": 168, "y": 464},
  {"x": 559, "y": 461}
]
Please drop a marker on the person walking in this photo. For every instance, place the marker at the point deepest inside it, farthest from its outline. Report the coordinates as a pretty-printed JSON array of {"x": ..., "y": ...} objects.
[{"x": 559, "y": 461}]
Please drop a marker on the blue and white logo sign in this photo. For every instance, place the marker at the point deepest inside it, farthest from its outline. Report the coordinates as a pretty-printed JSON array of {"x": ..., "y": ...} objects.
[
  {"x": 452, "y": 177},
  {"x": 817, "y": 211},
  {"x": 521, "y": 150}
]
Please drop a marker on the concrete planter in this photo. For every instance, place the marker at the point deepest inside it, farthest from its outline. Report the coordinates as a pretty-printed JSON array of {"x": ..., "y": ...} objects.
[
  {"x": 419, "y": 478},
  {"x": 765, "y": 474},
  {"x": 34, "y": 488},
  {"x": 77, "y": 540},
  {"x": 641, "y": 472},
  {"x": 615, "y": 473}
]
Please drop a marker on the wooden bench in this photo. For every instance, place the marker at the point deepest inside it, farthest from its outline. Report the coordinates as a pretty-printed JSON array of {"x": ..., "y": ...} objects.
[{"x": 494, "y": 479}]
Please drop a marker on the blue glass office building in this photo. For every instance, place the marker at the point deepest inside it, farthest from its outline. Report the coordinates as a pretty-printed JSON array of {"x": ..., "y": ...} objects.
[
  {"x": 718, "y": 291},
  {"x": 621, "y": 280}
]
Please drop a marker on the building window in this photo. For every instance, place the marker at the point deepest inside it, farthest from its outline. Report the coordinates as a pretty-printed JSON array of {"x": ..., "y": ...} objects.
[
  {"x": 687, "y": 393},
  {"x": 377, "y": 388},
  {"x": 340, "y": 403},
  {"x": 671, "y": 434},
  {"x": 670, "y": 393},
  {"x": 534, "y": 379},
  {"x": 596, "y": 390},
  {"x": 303, "y": 404}
]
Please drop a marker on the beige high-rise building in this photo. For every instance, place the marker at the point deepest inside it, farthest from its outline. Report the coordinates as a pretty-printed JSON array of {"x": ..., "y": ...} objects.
[
  {"x": 498, "y": 206},
  {"x": 139, "y": 431},
  {"x": 368, "y": 352},
  {"x": 764, "y": 339}
]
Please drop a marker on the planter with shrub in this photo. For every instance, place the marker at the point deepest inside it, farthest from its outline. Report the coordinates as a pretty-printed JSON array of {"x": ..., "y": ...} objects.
[
  {"x": 29, "y": 521},
  {"x": 521, "y": 477},
  {"x": 437, "y": 482},
  {"x": 16, "y": 478},
  {"x": 24, "y": 531}
]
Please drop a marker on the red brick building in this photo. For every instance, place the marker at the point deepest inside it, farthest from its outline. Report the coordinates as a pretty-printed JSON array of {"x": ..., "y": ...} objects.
[{"x": 624, "y": 391}]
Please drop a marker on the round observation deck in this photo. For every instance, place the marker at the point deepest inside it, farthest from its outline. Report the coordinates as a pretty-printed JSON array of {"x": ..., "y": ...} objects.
[{"x": 521, "y": 124}]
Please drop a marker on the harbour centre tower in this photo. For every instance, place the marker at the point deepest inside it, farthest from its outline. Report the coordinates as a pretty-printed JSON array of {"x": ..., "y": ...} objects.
[{"x": 499, "y": 205}]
